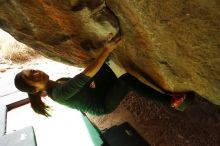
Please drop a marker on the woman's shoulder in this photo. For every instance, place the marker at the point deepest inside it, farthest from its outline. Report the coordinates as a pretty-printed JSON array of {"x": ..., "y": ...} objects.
[{"x": 63, "y": 79}]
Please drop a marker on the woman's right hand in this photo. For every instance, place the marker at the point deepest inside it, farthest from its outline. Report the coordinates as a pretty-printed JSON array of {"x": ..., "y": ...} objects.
[
  {"x": 110, "y": 46},
  {"x": 96, "y": 64}
]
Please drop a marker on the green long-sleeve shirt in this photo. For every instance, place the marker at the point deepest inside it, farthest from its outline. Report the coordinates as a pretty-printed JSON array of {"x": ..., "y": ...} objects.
[
  {"x": 76, "y": 92},
  {"x": 70, "y": 88}
]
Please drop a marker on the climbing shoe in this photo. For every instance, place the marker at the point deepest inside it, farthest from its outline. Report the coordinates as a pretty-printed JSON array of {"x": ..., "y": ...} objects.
[{"x": 180, "y": 101}]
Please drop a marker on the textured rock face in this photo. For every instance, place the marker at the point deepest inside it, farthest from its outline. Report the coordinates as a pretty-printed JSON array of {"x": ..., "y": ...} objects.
[
  {"x": 172, "y": 45},
  {"x": 62, "y": 30}
]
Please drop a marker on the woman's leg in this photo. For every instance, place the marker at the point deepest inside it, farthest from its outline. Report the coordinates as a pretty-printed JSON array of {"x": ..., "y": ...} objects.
[
  {"x": 115, "y": 95},
  {"x": 179, "y": 101},
  {"x": 144, "y": 90}
]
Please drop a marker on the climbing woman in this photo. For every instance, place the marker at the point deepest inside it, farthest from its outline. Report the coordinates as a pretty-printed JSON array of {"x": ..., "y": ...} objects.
[{"x": 96, "y": 90}]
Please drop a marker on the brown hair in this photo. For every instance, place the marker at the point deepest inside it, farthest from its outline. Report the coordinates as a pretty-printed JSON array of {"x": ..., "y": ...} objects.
[
  {"x": 35, "y": 98},
  {"x": 38, "y": 105},
  {"x": 22, "y": 85}
]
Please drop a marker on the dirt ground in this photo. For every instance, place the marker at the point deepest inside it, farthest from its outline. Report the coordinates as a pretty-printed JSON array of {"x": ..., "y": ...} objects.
[{"x": 198, "y": 125}]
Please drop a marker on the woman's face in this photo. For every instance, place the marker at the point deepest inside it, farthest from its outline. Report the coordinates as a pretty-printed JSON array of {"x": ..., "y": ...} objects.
[{"x": 36, "y": 78}]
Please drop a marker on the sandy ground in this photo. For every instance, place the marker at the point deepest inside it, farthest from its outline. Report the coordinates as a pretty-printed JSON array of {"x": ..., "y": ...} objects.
[{"x": 199, "y": 125}]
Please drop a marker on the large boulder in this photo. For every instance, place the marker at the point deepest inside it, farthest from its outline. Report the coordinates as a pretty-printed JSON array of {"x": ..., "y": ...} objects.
[{"x": 170, "y": 45}]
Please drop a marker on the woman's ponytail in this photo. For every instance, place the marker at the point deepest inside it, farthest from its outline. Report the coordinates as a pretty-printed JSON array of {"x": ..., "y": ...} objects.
[{"x": 38, "y": 105}]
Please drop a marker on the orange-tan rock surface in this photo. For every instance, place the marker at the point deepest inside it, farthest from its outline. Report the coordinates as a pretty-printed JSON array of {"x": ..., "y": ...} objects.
[{"x": 171, "y": 45}]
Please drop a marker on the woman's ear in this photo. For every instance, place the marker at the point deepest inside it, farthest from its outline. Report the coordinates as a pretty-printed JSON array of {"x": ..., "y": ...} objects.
[
  {"x": 43, "y": 94},
  {"x": 35, "y": 91}
]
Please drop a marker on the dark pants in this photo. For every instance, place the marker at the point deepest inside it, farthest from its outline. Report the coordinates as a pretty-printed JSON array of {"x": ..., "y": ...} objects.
[
  {"x": 110, "y": 90},
  {"x": 144, "y": 90},
  {"x": 127, "y": 83}
]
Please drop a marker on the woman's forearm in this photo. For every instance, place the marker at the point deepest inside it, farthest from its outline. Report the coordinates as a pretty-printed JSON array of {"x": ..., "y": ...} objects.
[{"x": 96, "y": 64}]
